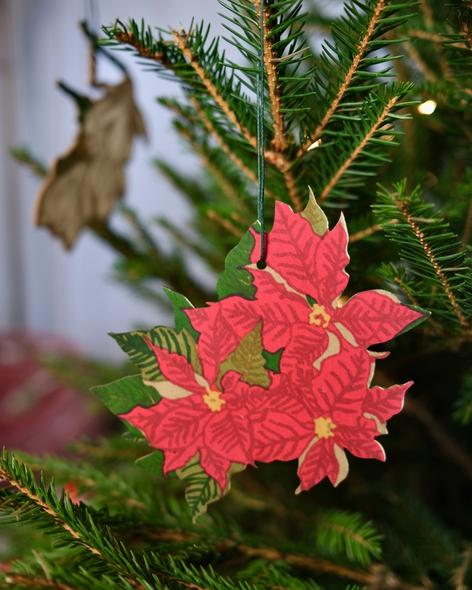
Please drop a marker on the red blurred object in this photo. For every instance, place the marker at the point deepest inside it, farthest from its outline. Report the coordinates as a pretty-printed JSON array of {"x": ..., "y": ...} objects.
[{"x": 37, "y": 413}]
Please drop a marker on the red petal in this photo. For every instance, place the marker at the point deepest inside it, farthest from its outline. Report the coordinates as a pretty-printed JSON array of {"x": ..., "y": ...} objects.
[
  {"x": 291, "y": 248},
  {"x": 339, "y": 389},
  {"x": 176, "y": 459},
  {"x": 176, "y": 368},
  {"x": 375, "y": 316},
  {"x": 221, "y": 327},
  {"x": 329, "y": 277},
  {"x": 215, "y": 466},
  {"x": 320, "y": 461},
  {"x": 172, "y": 424},
  {"x": 282, "y": 435},
  {"x": 367, "y": 449},
  {"x": 229, "y": 434},
  {"x": 385, "y": 403}
]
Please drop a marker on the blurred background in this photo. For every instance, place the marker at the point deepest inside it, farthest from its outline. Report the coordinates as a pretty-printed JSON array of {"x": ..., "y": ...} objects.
[{"x": 43, "y": 288}]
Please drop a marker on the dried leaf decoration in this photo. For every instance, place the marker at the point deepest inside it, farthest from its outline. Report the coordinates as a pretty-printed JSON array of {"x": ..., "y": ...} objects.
[
  {"x": 84, "y": 185},
  {"x": 276, "y": 370}
]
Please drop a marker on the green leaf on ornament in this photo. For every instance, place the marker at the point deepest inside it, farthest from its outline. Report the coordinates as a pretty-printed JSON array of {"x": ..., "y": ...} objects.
[
  {"x": 314, "y": 214},
  {"x": 248, "y": 360},
  {"x": 125, "y": 394},
  {"x": 133, "y": 434},
  {"x": 200, "y": 489},
  {"x": 272, "y": 360},
  {"x": 154, "y": 463},
  {"x": 136, "y": 347},
  {"x": 235, "y": 279},
  {"x": 179, "y": 303}
]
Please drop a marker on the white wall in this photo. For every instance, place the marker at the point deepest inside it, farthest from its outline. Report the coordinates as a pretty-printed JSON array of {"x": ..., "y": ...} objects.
[{"x": 42, "y": 287}]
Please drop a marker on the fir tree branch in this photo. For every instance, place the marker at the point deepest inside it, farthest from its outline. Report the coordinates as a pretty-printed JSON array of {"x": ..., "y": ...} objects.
[
  {"x": 211, "y": 88},
  {"x": 280, "y": 138},
  {"x": 418, "y": 61},
  {"x": 5, "y": 476},
  {"x": 214, "y": 216},
  {"x": 437, "y": 328},
  {"x": 403, "y": 208},
  {"x": 468, "y": 226},
  {"x": 281, "y": 162},
  {"x": 35, "y": 582},
  {"x": 310, "y": 563},
  {"x": 362, "y": 47},
  {"x": 224, "y": 146},
  {"x": 347, "y": 163},
  {"x": 364, "y": 233}
]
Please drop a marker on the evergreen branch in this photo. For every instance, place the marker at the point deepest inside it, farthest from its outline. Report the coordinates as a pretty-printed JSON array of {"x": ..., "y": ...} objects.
[
  {"x": 468, "y": 226},
  {"x": 403, "y": 208},
  {"x": 35, "y": 582},
  {"x": 361, "y": 50},
  {"x": 224, "y": 146},
  {"x": 459, "y": 573},
  {"x": 270, "y": 57},
  {"x": 58, "y": 521},
  {"x": 214, "y": 216},
  {"x": 364, "y": 233},
  {"x": 419, "y": 62},
  {"x": 211, "y": 88},
  {"x": 283, "y": 164},
  {"x": 24, "y": 156},
  {"x": 309, "y": 563},
  {"x": 369, "y": 135},
  {"x": 437, "y": 328}
]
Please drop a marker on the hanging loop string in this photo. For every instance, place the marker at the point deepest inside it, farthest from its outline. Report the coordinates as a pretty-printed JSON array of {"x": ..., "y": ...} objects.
[{"x": 260, "y": 137}]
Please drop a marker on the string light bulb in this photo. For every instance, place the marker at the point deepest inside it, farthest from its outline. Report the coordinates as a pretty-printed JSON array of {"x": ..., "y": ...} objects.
[{"x": 427, "y": 108}]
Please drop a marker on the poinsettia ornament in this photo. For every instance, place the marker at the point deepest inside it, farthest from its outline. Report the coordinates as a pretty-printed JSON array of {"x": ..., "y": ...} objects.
[{"x": 278, "y": 369}]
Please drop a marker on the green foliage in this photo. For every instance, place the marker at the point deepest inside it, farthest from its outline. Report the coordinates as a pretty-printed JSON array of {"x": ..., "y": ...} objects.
[
  {"x": 437, "y": 272},
  {"x": 127, "y": 393},
  {"x": 235, "y": 279},
  {"x": 463, "y": 404},
  {"x": 248, "y": 360},
  {"x": 345, "y": 533},
  {"x": 137, "y": 348}
]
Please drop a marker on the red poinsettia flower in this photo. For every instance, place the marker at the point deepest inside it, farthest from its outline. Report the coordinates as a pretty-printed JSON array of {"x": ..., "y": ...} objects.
[
  {"x": 298, "y": 297},
  {"x": 206, "y": 414},
  {"x": 323, "y": 413}
]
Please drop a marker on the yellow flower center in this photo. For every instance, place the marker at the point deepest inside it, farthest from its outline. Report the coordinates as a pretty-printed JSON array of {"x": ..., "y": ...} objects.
[
  {"x": 213, "y": 401},
  {"x": 319, "y": 316},
  {"x": 324, "y": 427}
]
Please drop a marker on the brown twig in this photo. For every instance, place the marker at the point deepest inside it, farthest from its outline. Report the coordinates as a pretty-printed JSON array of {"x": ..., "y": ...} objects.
[
  {"x": 211, "y": 88},
  {"x": 402, "y": 206},
  {"x": 342, "y": 169},
  {"x": 418, "y": 61},
  {"x": 360, "y": 235},
  {"x": 280, "y": 138},
  {"x": 447, "y": 444},
  {"x": 362, "y": 48}
]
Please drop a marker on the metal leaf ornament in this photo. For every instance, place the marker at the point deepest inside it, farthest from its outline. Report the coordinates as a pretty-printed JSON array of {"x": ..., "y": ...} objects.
[
  {"x": 83, "y": 186},
  {"x": 277, "y": 369}
]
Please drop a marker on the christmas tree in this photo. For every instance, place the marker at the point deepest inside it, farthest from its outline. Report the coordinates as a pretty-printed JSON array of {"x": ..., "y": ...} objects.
[{"x": 377, "y": 123}]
